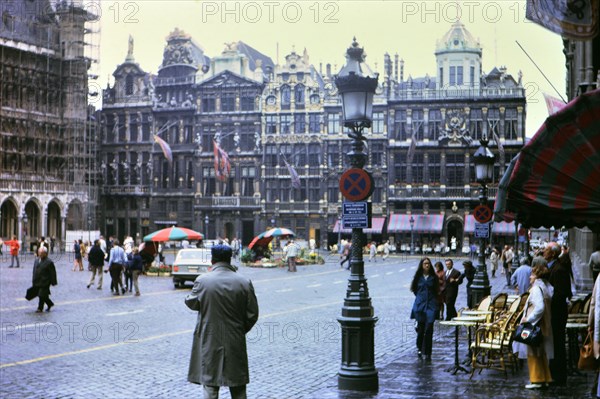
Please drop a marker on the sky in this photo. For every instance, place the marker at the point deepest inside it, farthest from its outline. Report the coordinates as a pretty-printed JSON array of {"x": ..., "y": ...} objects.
[{"x": 326, "y": 28}]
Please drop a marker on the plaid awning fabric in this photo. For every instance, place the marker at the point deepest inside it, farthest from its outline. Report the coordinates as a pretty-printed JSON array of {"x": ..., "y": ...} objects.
[
  {"x": 555, "y": 178},
  {"x": 400, "y": 223},
  {"x": 499, "y": 228},
  {"x": 376, "y": 227}
]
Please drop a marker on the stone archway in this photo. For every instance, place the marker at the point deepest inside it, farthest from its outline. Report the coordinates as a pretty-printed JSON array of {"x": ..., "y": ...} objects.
[
  {"x": 75, "y": 219},
  {"x": 53, "y": 221},
  {"x": 9, "y": 219},
  {"x": 454, "y": 228},
  {"x": 32, "y": 227}
]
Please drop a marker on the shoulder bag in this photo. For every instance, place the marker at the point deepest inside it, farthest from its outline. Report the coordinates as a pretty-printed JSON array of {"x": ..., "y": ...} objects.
[
  {"x": 587, "y": 361},
  {"x": 528, "y": 333}
]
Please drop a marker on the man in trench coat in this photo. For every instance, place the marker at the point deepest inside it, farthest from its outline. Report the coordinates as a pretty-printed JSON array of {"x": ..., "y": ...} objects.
[{"x": 227, "y": 311}]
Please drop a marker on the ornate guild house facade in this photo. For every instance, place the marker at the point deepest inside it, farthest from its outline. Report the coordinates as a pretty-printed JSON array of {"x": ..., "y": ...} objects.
[
  {"x": 47, "y": 150},
  {"x": 280, "y": 127}
]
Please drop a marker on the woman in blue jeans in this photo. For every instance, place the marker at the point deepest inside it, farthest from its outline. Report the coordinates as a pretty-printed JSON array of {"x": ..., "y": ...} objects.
[{"x": 425, "y": 308}]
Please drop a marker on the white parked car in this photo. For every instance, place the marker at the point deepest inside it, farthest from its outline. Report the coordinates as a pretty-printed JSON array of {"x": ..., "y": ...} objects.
[{"x": 189, "y": 264}]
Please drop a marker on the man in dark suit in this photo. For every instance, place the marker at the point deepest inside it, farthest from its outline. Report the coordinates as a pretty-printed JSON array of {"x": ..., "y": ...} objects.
[
  {"x": 560, "y": 278},
  {"x": 44, "y": 275},
  {"x": 453, "y": 280}
]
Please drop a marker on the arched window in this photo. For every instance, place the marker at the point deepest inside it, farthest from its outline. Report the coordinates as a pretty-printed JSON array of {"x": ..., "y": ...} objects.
[{"x": 129, "y": 85}]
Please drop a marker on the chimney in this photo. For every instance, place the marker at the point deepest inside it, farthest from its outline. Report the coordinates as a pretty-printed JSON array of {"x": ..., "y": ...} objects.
[
  {"x": 328, "y": 68},
  {"x": 396, "y": 66}
]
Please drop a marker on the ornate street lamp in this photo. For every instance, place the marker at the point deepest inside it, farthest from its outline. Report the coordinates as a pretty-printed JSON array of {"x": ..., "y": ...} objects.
[
  {"x": 484, "y": 161},
  {"x": 356, "y": 84},
  {"x": 412, "y": 237}
]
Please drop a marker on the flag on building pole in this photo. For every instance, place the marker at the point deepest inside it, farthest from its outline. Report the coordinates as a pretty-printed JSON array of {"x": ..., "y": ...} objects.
[
  {"x": 293, "y": 174},
  {"x": 574, "y": 21},
  {"x": 222, "y": 164},
  {"x": 164, "y": 146},
  {"x": 554, "y": 104}
]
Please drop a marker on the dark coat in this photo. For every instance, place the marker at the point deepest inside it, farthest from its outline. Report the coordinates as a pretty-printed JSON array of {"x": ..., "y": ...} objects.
[
  {"x": 451, "y": 290},
  {"x": 96, "y": 256},
  {"x": 136, "y": 263},
  {"x": 425, "y": 308},
  {"x": 227, "y": 310},
  {"x": 44, "y": 273}
]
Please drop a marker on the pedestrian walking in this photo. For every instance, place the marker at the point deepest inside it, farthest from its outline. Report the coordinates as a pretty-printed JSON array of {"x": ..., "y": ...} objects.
[
  {"x": 506, "y": 258},
  {"x": 494, "y": 258},
  {"x": 96, "y": 262},
  {"x": 373, "y": 252},
  {"x": 451, "y": 289},
  {"x": 439, "y": 271},
  {"x": 425, "y": 307},
  {"x": 386, "y": 249},
  {"x": 117, "y": 261},
  {"x": 538, "y": 312},
  {"x": 346, "y": 254},
  {"x": 77, "y": 262},
  {"x": 136, "y": 267},
  {"x": 469, "y": 274},
  {"x": 14, "y": 250},
  {"x": 227, "y": 310},
  {"x": 44, "y": 275},
  {"x": 291, "y": 252}
]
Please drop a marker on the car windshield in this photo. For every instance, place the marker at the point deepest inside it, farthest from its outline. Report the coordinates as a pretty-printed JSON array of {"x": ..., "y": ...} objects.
[{"x": 200, "y": 255}]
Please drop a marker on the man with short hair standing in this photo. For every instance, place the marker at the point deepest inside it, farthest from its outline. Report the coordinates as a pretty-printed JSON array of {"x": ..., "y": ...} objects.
[
  {"x": 292, "y": 250},
  {"x": 14, "y": 250},
  {"x": 560, "y": 278},
  {"x": 44, "y": 275},
  {"x": 227, "y": 311},
  {"x": 117, "y": 260},
  {"x": 451, "y": 291},
  {"x": 96, "y": 259}
]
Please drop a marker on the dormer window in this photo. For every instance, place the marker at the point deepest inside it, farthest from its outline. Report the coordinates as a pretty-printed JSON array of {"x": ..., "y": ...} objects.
[{"x": 128, "y": 85}]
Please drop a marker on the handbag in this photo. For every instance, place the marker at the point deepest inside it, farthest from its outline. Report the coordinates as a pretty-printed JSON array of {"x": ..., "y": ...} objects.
[
  {"x": 587, "y": 361},
  {"x": 528, "y": 334}
]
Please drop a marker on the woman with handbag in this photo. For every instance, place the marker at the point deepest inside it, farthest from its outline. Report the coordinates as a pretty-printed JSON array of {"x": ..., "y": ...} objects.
[
  {"x": 537, "y": 313},
  {"x": 425, "y": 308}
]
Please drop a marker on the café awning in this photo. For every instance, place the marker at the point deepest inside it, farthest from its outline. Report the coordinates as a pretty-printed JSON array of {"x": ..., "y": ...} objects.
[
  {"x": 553, "y": 181},
  {"x": 400, "y": 223},
  {"x": 376, "y": 227}
]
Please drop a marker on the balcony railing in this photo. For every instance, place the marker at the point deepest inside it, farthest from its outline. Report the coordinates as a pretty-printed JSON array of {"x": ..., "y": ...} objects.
[
  {"x": 228, "y": 202},
  {"x": 126, "y": 190},
  {"x": 439, "y": 94},
  {"x": 17, "y": 186},
  {"x": 447, "y": 193}
]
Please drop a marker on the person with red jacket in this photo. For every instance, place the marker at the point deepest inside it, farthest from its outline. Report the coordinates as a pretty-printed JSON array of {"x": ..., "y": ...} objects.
[{"x": 14, "y": 250}]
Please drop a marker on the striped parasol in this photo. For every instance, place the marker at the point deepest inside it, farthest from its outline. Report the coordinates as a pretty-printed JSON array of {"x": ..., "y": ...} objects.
[
  {"x": 263, "y": 239},
  {"x": 556, "y": 178},
  {"x": 173, "y": 234}
]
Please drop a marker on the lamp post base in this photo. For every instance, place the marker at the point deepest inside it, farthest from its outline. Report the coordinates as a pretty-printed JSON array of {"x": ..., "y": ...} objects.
[{"x": 358, "y": 372}]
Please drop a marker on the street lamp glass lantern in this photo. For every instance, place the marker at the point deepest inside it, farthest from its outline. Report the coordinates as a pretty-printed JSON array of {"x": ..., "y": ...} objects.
[
  {"x": 356, "y": 84},
  {"x": 484, "y": 161}
]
